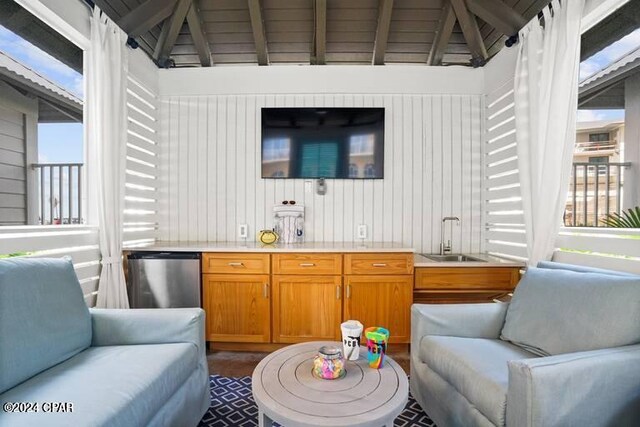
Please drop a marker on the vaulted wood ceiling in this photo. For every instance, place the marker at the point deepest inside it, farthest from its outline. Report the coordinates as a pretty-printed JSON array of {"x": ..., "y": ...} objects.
[{"x": 191, "y": 33}]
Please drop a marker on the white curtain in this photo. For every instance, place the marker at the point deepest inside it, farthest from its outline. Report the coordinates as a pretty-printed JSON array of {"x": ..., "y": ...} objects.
[
  {"x": 106, "y": 122},
  {"x": 546, "y": 93}
]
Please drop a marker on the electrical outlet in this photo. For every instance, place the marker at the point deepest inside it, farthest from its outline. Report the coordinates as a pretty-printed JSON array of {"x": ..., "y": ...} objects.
[
  {"x": 362, "y": 231},
  {"x": 308, "y": 186},
  {"x": 243, "y": 231}
]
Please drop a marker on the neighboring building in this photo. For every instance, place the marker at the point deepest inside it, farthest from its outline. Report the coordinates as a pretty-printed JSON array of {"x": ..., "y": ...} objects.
[
  {"x": 26, "y": 99},
  {"x": 617, "y": 86},
  {"x": 599, "y": 142},
  {"x": 596, "y": 174}
]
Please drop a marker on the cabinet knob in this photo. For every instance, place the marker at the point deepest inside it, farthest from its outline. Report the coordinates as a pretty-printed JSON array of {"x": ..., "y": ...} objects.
[
  {"x": 235, "y": 264},
  {"x": 338, "y": 291},
  {"x": 379, "y": 264},
  {"x": 306, "y": 264},
  {"x": 348, "y": 291},
  {"x": 266, "y": 290}
]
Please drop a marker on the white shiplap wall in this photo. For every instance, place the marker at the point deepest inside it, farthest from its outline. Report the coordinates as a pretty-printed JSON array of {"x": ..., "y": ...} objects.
[{"x": 210, "y": 171}]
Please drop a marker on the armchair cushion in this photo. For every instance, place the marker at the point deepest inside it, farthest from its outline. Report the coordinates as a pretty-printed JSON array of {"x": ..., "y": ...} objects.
[
  {"x": 557, "y": 311},
  {"x": 476, "y": 368},
  {"x": 108, "y": 386},
  {"x": 43, "y": 317}
]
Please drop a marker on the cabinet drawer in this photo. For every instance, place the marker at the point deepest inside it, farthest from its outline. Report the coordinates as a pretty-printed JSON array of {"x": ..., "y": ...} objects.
[
  {"x": 238, "y": 263},
  {"x": 462, "y": 278},
  {"x": 378, "y": 263},
  {"x": 307, "y": 264}
]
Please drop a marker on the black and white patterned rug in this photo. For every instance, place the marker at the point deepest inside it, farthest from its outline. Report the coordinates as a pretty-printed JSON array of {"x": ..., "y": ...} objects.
[{"x": 232, "y": 405}]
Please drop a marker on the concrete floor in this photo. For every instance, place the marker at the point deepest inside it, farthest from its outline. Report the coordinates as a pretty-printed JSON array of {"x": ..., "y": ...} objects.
[{"x": 239, "y": 364}]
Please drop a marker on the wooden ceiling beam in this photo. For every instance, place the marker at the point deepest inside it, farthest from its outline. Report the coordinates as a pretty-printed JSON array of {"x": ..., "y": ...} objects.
[
  {"x": 382, "y": 32},
  {"x": 146, "y": 16},
  {"x": 170, "y": 30},
  {"x": 320, "y": 37},
  {"x": 259, "y": 37},
  {"x": 497, "y": 14},
  {"x": 443, "y": 35},
  {"x": 194, "y": 21},
  {"x": 471, "y": 33}
]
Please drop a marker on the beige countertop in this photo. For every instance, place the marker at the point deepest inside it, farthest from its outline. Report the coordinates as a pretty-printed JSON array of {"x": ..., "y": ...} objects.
[
  {"x": 328, "y": 247},
  {"x": 258, "y": 247},
  {"x": 420, "y": 261}
]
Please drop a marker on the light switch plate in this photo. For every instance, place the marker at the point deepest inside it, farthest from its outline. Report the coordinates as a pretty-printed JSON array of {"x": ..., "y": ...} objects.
[
  {"x": 243, "y": 231},
  {"x": 308, "y": 186},
  {"x": 362, "y": 231}
]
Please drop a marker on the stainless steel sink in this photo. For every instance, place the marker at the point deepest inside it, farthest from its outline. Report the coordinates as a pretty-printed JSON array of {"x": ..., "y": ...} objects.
[{"x": 453, "y": 258}]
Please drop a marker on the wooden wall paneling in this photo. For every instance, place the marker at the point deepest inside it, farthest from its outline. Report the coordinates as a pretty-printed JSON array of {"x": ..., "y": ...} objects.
[
  {"x": 447, "y": 170},
  {"x": 407, "y": 170},
  {"x": 192, "y": 150},
  {"x": 437, "y": 165},
  {"x": 210, "y": 177},
  {"x": 232, "y": 184},
  {"x": 221, "y": 170},
  {"x": 456, "y": 171},
  {"x": 201, "y": 161},
  {"x": 477, "y": 166},
  {"x": 465, "y": 197},
  {"x": 430, "y": 143},
  {"x": 426, "y": 207},
  {"x": 416, "y": 165},
  {"x": 164, "y": 180},
  {"x": 396, "y": 168}
]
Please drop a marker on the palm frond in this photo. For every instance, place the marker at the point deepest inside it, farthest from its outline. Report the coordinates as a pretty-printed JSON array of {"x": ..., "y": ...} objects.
[{"x": 628, "y": 219}]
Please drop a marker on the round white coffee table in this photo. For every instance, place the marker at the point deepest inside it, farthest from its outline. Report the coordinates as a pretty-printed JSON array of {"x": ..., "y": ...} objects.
[{"x": 286, "y": 391}]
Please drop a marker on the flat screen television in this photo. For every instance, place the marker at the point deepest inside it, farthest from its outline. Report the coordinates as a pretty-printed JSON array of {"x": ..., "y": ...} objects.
[{"x": 345, "y": 143}]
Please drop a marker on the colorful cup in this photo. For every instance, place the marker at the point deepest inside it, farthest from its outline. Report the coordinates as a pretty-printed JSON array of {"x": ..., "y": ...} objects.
[
  {"x": 377, "y": 338},
  {"x": 351, "y": 332}
]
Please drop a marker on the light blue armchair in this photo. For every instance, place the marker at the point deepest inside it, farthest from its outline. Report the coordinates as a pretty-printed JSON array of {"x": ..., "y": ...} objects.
[
  {"x": 107, "y": 367},
  {"x": 564, "y": 352}
]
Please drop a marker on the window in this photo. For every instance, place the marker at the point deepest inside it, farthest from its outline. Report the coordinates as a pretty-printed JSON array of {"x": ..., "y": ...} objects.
[
  {"x": 361, "y": 144},
  {"x": 599, "y": 137},
  {"x": 276, "y": 149},
  {"x": 320, "y": 159},
  {"x": 369, "y": 170},
  {"x": 599, "y": 159}
]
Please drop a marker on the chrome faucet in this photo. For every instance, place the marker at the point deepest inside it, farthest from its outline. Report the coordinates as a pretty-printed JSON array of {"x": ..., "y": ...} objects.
[{"x": 444, "y": 249}]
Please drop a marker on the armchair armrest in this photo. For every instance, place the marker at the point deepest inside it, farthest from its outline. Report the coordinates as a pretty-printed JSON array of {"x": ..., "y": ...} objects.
[
  {"x": 590, "y": 388},
  {"x": 148, "y": 326},
  {"x": 459, "y": 320}
]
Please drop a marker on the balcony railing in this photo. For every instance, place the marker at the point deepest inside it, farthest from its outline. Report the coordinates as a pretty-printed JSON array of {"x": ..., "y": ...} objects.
[
  {"x": 595, "y": 190},
  {"x": 595, "y": 146},
  {"x": 60, "y": 195}
]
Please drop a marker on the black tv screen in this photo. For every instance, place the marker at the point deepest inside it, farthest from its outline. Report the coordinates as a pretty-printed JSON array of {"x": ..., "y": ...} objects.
[{"x": 322, "y": 143}]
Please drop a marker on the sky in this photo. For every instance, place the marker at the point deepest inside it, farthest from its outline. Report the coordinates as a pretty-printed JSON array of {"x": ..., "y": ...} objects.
[
  {"x": 57, "y": 142},
  {"x": 600, "y": 60}
]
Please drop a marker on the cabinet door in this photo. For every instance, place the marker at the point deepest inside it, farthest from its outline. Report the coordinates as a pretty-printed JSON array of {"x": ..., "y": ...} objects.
[
  {"x": 381, "y": 301},
  {"x": 237, "y": 307},
  {"x": 306, "y": 308}
]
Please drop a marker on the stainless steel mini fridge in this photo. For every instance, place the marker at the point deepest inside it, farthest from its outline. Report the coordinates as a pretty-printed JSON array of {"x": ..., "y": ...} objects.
[{"x": 163, "y": 279}]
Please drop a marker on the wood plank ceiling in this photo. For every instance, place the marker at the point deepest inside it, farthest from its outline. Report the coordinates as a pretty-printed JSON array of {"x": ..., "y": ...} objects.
[{"x": 192, "y": 33}]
